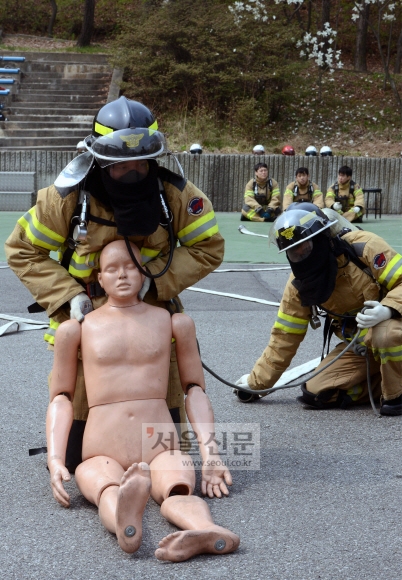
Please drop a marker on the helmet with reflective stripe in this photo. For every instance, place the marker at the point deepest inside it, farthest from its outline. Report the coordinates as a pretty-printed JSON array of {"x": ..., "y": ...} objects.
[
  {"x": 124, "y": 130},
  {"x": 310, "y": 151},
  {"x": 300, "y": 222},
  {"x": 288, "y": 150},
  {"x": 326, "y": 151}
]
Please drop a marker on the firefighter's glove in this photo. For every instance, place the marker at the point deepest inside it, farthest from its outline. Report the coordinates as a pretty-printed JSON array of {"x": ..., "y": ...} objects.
[
  {"x": 266, "y": 214},
  {"x": 243, "y": 382},
  {"x": 373, "y": 314},
  {"x": 80, "y": 305},
  {"x": 145, "y": 288},
  {"x": 356, "y": 209},
  {"x": 337, "y": 206}
]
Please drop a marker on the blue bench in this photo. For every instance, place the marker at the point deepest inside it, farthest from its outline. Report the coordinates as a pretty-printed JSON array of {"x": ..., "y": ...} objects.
[
  {"x": 7, "y": 81},
  {"x": 10, "y": 71}
]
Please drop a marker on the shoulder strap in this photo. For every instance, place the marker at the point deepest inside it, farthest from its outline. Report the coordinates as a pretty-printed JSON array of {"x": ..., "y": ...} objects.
[{"x": 352, "y": 186}]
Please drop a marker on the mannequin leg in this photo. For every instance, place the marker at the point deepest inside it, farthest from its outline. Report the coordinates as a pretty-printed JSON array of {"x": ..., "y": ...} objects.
[
  {"x": 121, "y": 496},
  {"x": 200, "y": 535},
  {"x": 173, "y": 481}
]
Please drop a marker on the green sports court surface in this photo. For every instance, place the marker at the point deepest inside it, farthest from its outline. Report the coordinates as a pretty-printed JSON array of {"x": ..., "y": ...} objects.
[{"x": 244, "y": 248}]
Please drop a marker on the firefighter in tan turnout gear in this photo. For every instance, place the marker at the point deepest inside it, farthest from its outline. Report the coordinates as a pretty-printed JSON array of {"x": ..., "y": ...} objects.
[
  {"x": 356, "y": 277},
  {"x": 262, "y": 198},
  {"x": 302, "y": 189},
  {"x": 115, "y": 190},
  {"x": 346, "y": 197}
]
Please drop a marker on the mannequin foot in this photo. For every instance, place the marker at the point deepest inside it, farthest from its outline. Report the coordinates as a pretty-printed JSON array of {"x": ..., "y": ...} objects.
[
  {"x": 183, "y": 545},
  {"x": 133, "y": 495}
]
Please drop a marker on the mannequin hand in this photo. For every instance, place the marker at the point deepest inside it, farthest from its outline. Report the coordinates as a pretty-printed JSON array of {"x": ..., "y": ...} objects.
[
  {"x": 337, "y": 206},
  {"x": 145, "y": 288},
  {"x": 79, "y": 306},
  {"x": 356, "y": 209},
  {"x": 58, "y": 474},
  {"x": 374, "y": 314},
  {"x": 215, "y": 477},
  {"x": 243, "y": 382}
]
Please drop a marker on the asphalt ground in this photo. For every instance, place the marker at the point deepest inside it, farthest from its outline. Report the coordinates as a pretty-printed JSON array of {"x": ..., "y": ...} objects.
[{"x": 324, "y": 505}]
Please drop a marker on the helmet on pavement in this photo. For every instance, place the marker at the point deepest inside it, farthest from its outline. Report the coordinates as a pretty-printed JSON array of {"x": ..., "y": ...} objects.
[
  {"x": 299, "y": 223},
  {"x": 258, "y": 150},
  {"x": 124, "y": 130},
  {"x": 311, "y": 151},
  {"x": 195, "y": 148},
  {"x": 288, "y": 150},
  {"x": 326, "y": 151}
]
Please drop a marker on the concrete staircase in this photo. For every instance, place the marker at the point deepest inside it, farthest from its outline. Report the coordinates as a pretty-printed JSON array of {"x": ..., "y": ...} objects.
[{"x": 55, "y": 102}]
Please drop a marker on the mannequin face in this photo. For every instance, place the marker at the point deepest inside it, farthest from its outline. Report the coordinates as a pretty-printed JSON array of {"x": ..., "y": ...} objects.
[
  {"x": 118, "y": 170},
  {"x": 119, "y": 276}
]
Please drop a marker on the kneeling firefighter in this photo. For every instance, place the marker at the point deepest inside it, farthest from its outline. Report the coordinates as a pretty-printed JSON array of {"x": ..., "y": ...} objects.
[
  {"x": 113, "y": 191},
  {"x": 355, "y": 277}
]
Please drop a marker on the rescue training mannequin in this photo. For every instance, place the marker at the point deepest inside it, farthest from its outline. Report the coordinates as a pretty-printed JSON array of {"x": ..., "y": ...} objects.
[
  {"x": 341, "y": 274},
  {"x": 346, "y": 197},
  {"x": 116, "y": 189},
  {"x": 302, "y": 189},
  {"x": 262, "y": 198},
  {"x": 125, "y": 346}
]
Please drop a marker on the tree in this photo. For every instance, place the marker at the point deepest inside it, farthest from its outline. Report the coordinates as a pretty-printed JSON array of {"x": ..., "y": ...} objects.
[
  {"x": 85, "y": 36},
  {"x": 360, "y": 60},
  {"x": 52, "y": 18}
]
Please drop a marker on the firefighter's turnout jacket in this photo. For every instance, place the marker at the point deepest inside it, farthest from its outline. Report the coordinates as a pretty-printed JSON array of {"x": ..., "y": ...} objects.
[
  {"x": 45, "y": 228},
  {"x": 349, "y": 194},
  {"x": 353, "y": 287},
  {"x": 309, "y": 192},
  {"x": 260, "y": 195}
]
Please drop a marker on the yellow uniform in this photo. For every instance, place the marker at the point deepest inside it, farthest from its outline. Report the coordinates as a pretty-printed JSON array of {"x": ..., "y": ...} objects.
[
  {"x": 309, "y": 192},
  {"x": 260, "y": 195},
  {"x": 350, "y": 195},
  {"x": 45, "y": 228},
  {"x": 353, "y": 287}
]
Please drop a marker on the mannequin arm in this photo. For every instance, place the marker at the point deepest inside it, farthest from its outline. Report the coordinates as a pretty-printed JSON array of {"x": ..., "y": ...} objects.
[
  {"x": 60, "y": 411},
  {"x": 215, "y": 475}
]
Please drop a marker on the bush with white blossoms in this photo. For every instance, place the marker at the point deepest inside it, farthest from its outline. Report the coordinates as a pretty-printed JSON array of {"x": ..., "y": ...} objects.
[
  {"x": 386, "y": 9},
  {"x": 319, "y": 49}
]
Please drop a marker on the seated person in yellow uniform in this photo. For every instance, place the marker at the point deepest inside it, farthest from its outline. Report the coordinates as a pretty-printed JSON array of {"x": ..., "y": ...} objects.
[
  {"x": 346, "y": 197},
  {"x": 262, "y": 198},
  {"x": 302, "y": 189}
]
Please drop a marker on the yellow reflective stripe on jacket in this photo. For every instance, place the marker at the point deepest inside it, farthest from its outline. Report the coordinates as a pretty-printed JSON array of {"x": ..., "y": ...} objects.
[
  {"x": 360, "y": 339},
  {"x": 392, "y": 272},
  {"x": 316, "y": 193},
  {"x": 330, "y": 194},
  {"x": 147, "y": 254},
  {"x": 275, "y": 192},
  {"x": 249, "y": 193},
  {"x": 38, "y": 234},
  {"x": 291, "y": 324},
  {"x": 51, "y": 331},
  {"x": 203, "y": 228},
  {"x": 82, "y": 266},
  {"x": 390, "y": 353}
]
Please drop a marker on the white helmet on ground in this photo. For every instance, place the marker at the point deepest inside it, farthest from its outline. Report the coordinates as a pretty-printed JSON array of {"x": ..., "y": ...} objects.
[
  {"x": 311, "y": 151},
  {"x": 195, "y": 148},
  {"x": 258, "y": 150},
  {"x": 326, "y": 151}
]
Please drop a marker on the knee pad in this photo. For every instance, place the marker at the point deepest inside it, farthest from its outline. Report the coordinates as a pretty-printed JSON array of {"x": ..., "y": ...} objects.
[{"x": 319, "y": 401}]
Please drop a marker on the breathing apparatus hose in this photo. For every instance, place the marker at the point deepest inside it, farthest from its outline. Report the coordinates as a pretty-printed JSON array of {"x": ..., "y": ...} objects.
[{"x": 257, "y": 394}]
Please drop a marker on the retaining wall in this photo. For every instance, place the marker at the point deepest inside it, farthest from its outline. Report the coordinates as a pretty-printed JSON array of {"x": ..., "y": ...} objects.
[{"x": 223, "y": 177}]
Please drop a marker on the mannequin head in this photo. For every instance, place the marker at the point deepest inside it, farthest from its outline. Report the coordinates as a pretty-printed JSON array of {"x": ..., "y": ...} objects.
[{"x": 118, "y": 275}]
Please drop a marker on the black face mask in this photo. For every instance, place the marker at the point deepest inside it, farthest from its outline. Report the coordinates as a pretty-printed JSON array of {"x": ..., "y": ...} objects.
[
  {"x": 315, "y": 276},
  {"x": 136, "y": 206}
]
